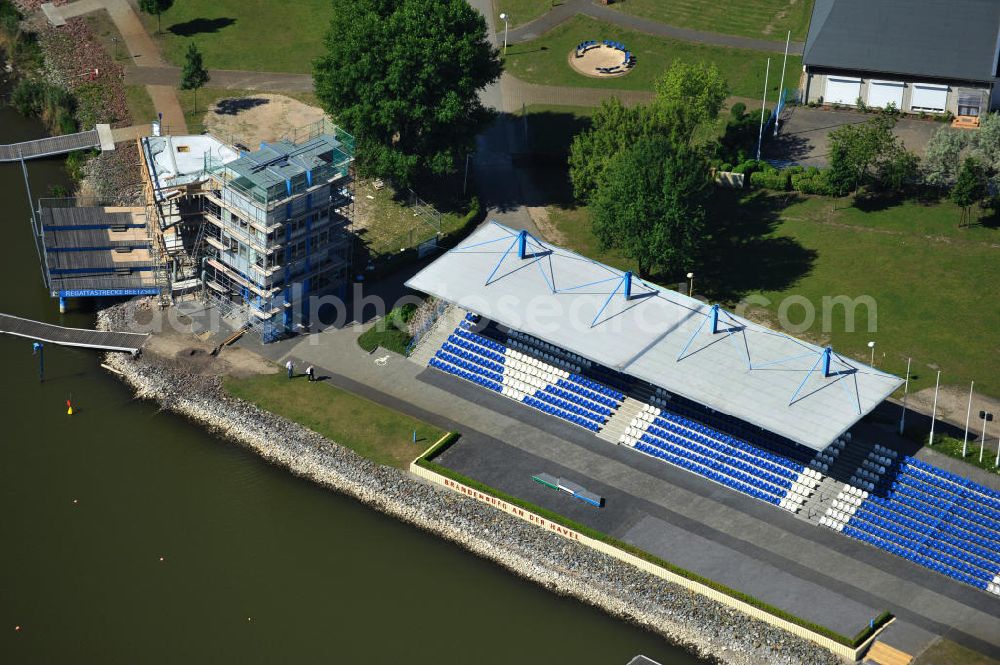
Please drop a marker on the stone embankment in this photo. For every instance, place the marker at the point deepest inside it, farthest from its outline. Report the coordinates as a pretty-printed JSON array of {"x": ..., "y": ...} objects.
[{"x": 561, "y": 565}]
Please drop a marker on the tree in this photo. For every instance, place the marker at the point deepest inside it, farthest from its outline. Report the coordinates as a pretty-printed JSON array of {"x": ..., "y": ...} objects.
[
  {"x": 194, "y": 75},
  {"x": 404, "y": 77},
  {"x": 699, "y": 87},
  {"x": 155, "y": 8},
  {"x": 970, "y": 188},
  {"x": 650, "y": 205},
  {"x": 942, "y": 158},
  {"x": 614, "y": 129},
  {"x": 869, "y": 153}
]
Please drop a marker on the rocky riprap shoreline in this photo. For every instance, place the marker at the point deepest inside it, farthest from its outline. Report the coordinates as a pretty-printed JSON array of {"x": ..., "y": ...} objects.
[{"x": 563, "y": 566}]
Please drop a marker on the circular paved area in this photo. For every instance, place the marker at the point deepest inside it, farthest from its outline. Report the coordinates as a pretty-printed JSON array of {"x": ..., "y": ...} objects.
[{"x": 600, "y": 56}]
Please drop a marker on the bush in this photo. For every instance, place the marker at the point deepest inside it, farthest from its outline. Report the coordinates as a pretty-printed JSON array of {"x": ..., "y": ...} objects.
[
  {"x": 771, "y": 179},
  {"x": 737, "y": 110},
  {"x": 812, "y": 181},
  {"x": 749, "y": 166},
  {"x": 390, "y": 332},
  {"x": 726, "y": 167}
]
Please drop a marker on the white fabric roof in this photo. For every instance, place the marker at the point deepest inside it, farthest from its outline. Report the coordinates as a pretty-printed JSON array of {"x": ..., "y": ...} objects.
[{"x": 759, "y": 375}]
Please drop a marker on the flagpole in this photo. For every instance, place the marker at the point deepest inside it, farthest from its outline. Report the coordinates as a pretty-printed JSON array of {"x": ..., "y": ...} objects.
[
  {"x": 906, "y": 389},
  {"x": 930, "y": 442},
  {"x": 968, "y": 414},
  {"x": 781, "y": 86},
  {"x": 763, "y": 107}
]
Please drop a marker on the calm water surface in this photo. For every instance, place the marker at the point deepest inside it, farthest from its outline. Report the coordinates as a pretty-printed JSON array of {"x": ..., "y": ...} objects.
[{"x": 257, "y": 566}]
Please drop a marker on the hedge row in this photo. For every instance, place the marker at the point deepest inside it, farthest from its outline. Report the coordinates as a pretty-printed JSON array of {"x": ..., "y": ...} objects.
[
  {"x": 809, "y": 180},
  {"x": 852, "y": 642}
]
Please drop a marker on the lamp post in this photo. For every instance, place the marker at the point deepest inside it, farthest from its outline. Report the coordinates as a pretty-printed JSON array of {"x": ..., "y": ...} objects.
[
  {"x": 871, "y": 345},
  {"x": 987, "y": 417},
  {"x": 506, "y": 25},
  {"x": 690, "y": 277},
  {"x": 114, "y": 40}
]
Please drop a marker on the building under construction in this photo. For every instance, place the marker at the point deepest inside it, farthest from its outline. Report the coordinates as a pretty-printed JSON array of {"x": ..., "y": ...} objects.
[{"x": 259, "y": 232}]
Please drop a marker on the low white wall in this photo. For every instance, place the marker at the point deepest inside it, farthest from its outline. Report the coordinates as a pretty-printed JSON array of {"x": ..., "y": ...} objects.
[{"x": 843, "y": 651}]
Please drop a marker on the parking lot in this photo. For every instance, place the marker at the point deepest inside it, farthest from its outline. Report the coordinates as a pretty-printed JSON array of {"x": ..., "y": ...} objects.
[{"x": 803, "y": 132}]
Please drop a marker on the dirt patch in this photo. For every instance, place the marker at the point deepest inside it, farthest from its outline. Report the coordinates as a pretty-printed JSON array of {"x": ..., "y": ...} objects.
[
  {"x": 953, "y": 405},
  {"x": 264, "y": 117},
  {"x": 194, "y": 355},
  {"x": 550, "y": 232}
]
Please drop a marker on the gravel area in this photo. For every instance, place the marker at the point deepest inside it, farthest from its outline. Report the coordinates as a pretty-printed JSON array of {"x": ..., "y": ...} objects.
[{"x": 563, "y": 566}]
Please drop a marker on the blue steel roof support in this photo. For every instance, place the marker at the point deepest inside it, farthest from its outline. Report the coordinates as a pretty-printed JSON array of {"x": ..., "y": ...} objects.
[
  {"x": 608, "y": 301},
  {"x": 691, "y": 339},
  {"x": 502, "y": 257},
  {"x": 819, "y": 357}
]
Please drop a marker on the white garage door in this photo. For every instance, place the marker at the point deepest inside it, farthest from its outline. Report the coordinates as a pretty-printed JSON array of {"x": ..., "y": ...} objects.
[
  {"x": 929, "y": 97},
  {"x": 842, "y": 90},
  {"x": 883, "y": 93}
]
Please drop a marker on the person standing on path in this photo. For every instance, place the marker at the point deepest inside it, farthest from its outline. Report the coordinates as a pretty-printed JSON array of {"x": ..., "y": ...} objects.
[
  {"x": 311, "y": 373},
  {"x": 290, "y": 366}
]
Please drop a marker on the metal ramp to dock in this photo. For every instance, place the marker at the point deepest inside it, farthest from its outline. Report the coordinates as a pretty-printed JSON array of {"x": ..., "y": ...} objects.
[
  {"x": 52, "y": 145},
  {"x": 80, "y": 337}
]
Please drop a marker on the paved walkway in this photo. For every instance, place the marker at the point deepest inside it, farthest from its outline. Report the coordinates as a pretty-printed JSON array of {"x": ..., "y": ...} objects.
[
  {"x": 230, "y": 79},
  {"x": 926, "y": 604},
  {"x": 570, "y": 8}
]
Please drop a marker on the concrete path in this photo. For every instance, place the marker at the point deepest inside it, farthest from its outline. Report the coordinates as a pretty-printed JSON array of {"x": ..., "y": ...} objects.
[
  {"x": 497, "y": 181},
  {"x": 225, "y": 78},
  {"x": 517, "y": 93},
  {"x": 570, "y": 8},
  {"x": 165, "y": 101}
]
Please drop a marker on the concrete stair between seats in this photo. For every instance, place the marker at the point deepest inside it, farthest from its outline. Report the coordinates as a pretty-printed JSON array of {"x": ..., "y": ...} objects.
[
  {"x": 620, "y": 421},
  {"x": 437, "y": 335},
  {"x": 816, "y": 505}
]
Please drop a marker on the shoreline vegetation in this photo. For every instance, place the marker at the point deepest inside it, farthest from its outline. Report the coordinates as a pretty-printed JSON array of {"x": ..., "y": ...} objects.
[
  {"x": 65, "y": 77},
  {"x": 562, "y": 566}
]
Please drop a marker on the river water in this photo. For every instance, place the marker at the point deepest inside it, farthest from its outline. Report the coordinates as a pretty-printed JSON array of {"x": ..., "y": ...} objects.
[{"x": 130, "y": 536}]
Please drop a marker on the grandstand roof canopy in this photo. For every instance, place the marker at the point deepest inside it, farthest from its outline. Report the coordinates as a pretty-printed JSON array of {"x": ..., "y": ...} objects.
[{"x": 762, "y": 376}]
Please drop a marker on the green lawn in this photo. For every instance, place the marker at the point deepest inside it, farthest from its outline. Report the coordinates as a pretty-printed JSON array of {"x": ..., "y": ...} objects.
[
  {"x": 544, "y": 60},
  {"x": 946, "y": 652},
  {"x": 762, "y": 19},
  {"x": 928, "y": 278},
  {"x": 520, "y": 12},
  {"x": 255, "y": 35},
  {"x": 371, "y": 430},
  {"x": 140, "y": 106}
]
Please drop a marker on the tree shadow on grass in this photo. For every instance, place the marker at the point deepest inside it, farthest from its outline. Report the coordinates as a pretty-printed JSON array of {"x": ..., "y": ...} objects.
[
  {"x": 743, "y": 255},
  {"x": 199, "y": 26}
]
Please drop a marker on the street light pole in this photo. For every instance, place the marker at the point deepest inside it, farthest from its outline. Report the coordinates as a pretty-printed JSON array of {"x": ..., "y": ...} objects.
[
  {"x": 690, "y": 277},
  {"x": 504, "y": 17},
  {"x": 982, "y": 445},
  {"x": 871, "y": 345}
]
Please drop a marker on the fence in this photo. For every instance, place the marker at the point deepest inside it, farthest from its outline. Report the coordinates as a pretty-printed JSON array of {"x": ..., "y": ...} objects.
[{"x": 423, "y": 320}]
